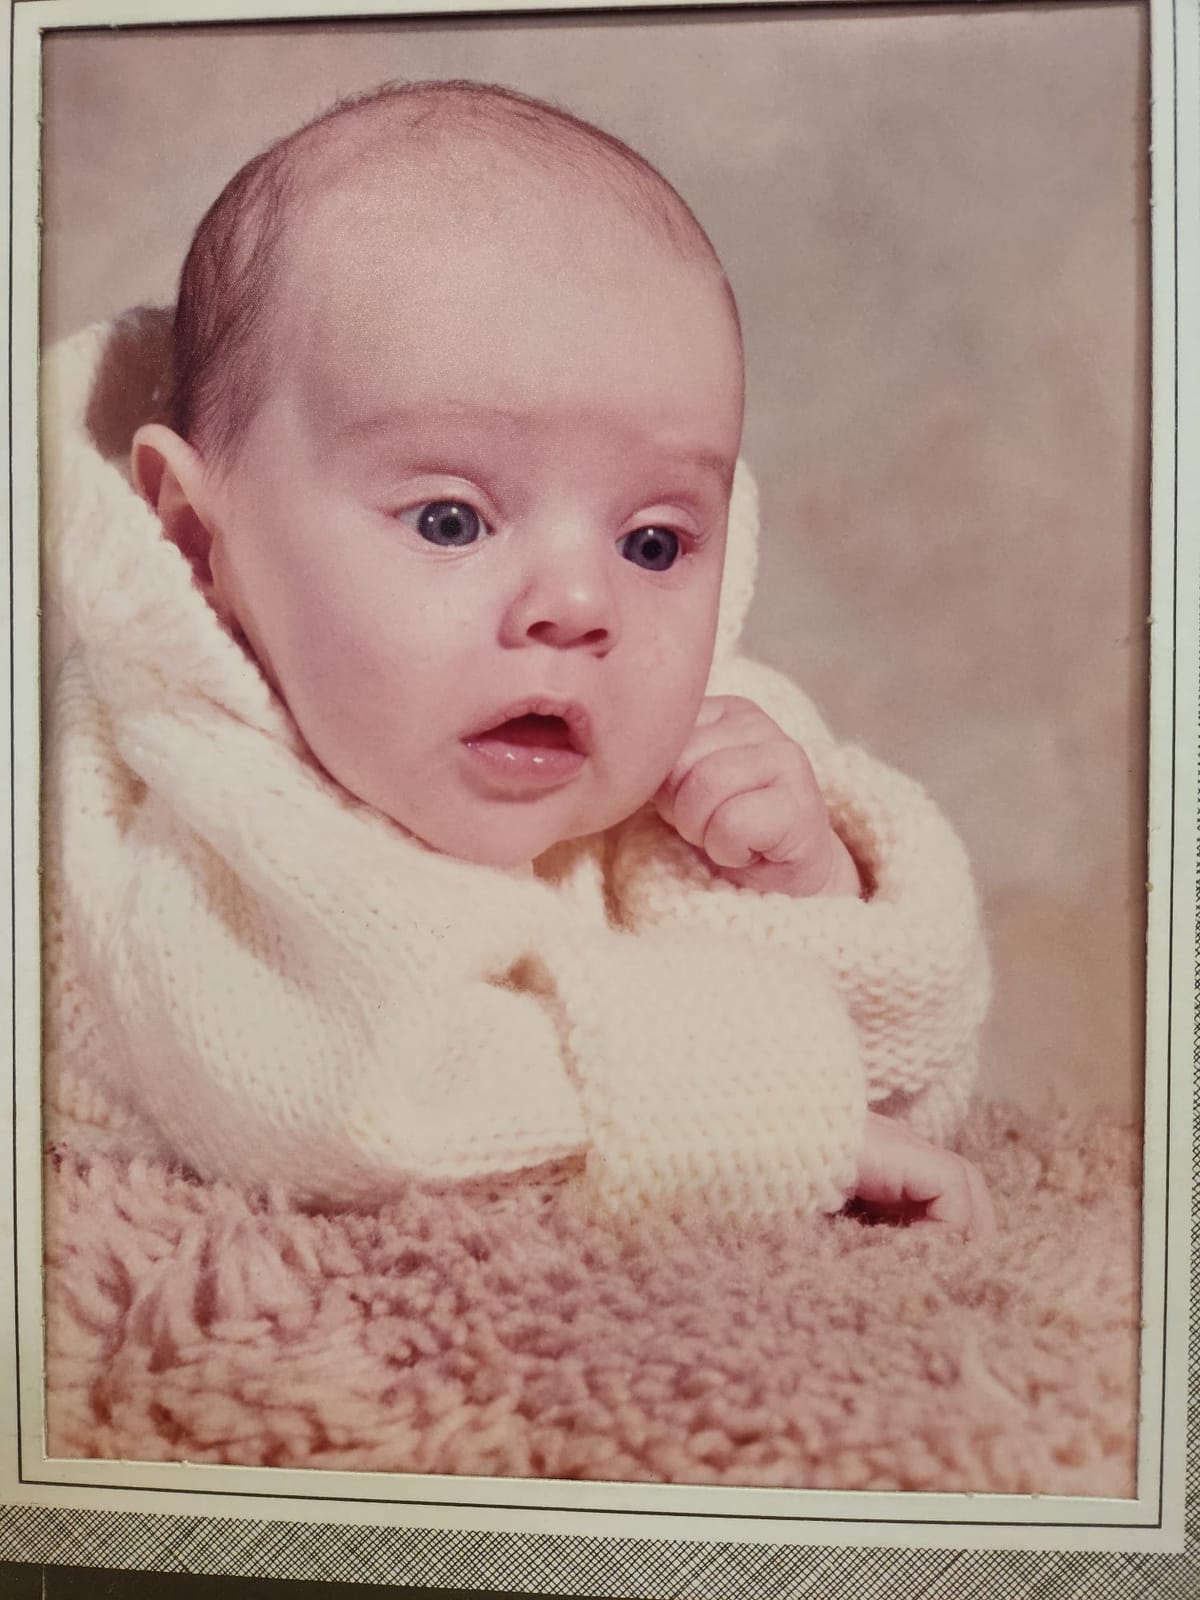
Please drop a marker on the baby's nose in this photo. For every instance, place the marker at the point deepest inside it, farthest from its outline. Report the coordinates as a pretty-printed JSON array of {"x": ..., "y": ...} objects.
[{"x": 569, "y": 604}]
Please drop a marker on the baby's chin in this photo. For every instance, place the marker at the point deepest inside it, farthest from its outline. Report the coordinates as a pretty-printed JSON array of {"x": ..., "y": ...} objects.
[
  {"x": 500, "y": 853},
  {"x": 513, "y": 842}
]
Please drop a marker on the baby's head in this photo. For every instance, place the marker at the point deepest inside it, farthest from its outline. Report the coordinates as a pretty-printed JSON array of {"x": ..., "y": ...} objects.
[{"x": 458, "y": 403}]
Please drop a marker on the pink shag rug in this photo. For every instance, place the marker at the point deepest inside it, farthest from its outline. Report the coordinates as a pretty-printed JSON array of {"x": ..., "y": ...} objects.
[{"x": 512, "y": 1334}]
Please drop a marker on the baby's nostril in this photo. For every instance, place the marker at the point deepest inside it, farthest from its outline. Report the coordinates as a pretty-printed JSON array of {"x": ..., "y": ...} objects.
[{"x": 557, "y": 634}]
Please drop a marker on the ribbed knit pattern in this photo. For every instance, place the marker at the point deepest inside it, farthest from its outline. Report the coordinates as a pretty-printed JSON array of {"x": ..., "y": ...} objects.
[{"x": 254, "y": 974}]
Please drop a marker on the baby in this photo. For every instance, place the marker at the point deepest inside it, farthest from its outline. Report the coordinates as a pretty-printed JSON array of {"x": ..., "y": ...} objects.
[{"x": 424, "y": 823}]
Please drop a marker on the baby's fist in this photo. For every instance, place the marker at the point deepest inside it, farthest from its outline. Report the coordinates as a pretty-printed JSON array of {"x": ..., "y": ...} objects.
[
  {"x": 904, "y": 1176},
  {"x": 744, "y": 795}
]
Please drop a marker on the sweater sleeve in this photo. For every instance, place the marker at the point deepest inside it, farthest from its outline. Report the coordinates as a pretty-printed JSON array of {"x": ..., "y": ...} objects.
[
  {"x": 908, "y": 958},
  {"x": 711, "y": 1069}
]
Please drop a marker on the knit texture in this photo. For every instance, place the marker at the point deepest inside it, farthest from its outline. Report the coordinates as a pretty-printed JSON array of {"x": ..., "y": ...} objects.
[
  {"x": 253, "y": 974},
  {"x": 465, "y": 1333}
]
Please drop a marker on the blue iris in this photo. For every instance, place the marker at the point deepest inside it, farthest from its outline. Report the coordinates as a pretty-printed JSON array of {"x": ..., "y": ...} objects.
[
  {"x": 449, "y": 523},
  {"x": 656, "y": 549}
]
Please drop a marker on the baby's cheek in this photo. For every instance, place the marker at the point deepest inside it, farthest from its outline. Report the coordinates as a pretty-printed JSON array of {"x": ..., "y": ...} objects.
[
  {"x": 340, "y": 699},
  {"x": 653, "y": 756}
]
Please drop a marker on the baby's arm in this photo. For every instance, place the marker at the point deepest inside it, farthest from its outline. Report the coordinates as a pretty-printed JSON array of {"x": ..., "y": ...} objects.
[
  {"x": 906, "y": 954},
  {"x": 745, "y": 796}
]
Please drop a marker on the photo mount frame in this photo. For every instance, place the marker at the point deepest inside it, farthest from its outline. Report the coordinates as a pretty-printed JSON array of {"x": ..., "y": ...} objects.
[{"x": 1168, "y": 1151}]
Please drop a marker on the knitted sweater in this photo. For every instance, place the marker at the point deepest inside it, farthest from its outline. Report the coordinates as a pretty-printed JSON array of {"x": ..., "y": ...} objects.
[{"x": 250, "y": 972}]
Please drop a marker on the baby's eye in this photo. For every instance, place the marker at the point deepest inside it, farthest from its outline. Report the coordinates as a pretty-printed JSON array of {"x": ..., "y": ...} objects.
[
  {"x": 653, "y": 548},
  {"x": 449, "y": 523}
]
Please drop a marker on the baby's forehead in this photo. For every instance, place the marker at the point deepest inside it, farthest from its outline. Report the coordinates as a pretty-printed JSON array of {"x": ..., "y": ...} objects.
[{"x": 444, "y": 232}]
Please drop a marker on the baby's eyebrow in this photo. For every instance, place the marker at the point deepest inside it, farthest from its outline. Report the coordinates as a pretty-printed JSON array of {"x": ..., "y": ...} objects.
[
  {"x": 392, "y": 418},
  {"x": 690, "y": 462},
  {"x": 710, "y": 462}
]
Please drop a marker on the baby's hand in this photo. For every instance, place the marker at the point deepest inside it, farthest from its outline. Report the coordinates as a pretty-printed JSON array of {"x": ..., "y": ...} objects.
[
  {"x": 744, "y": 794},
  {"x": 903, "y": 1175}
]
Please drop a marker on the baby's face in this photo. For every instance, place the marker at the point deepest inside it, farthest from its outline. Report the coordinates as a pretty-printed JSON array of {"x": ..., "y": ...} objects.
[{"x": 475, "y": 535}]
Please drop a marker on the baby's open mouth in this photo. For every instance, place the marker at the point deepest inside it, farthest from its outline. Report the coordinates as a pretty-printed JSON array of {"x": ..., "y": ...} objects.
[
  {"x": 535, "y": 746},
  {"x": 531, "y": 731}
]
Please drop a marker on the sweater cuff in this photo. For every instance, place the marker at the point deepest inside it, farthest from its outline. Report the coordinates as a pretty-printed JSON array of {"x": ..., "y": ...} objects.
[
  {"x": 724, "y": 1078},
  {"x": 910, "y": 959}
]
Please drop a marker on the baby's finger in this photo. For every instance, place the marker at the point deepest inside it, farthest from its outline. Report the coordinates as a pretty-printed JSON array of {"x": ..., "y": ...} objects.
[
  {"x": 712, "y": 780},
  {"x": 732, "y": 708},
  {"x": 713, "y": 708},
  {"x": 764, "y": 824},
  {"x": 954, "y": 1205},
  {"x": 723, "y": 733}
]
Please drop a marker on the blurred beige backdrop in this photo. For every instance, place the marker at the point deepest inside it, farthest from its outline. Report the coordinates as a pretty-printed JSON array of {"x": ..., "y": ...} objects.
[{"x": 935, "y": 224}]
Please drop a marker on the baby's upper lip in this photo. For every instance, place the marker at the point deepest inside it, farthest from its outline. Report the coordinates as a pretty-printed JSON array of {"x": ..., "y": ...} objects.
[{"x": 570, "y": 712}]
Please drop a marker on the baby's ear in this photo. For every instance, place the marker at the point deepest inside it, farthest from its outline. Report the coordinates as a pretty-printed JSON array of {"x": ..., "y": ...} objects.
[{"x": 170, "y": 476}]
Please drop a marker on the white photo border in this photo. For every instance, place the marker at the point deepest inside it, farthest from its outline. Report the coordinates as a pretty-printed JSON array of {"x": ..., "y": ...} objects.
[{"x": 128, "y": 1514}]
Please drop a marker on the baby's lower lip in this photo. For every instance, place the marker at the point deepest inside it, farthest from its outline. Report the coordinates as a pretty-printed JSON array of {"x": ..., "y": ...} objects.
[{"x": 527, "y": 751}]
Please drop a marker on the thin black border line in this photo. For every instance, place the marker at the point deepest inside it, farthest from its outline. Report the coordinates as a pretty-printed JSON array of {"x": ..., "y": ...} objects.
[
  {"x": 604, "y": 1511},
  {"x": 760, "y": 7}
]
